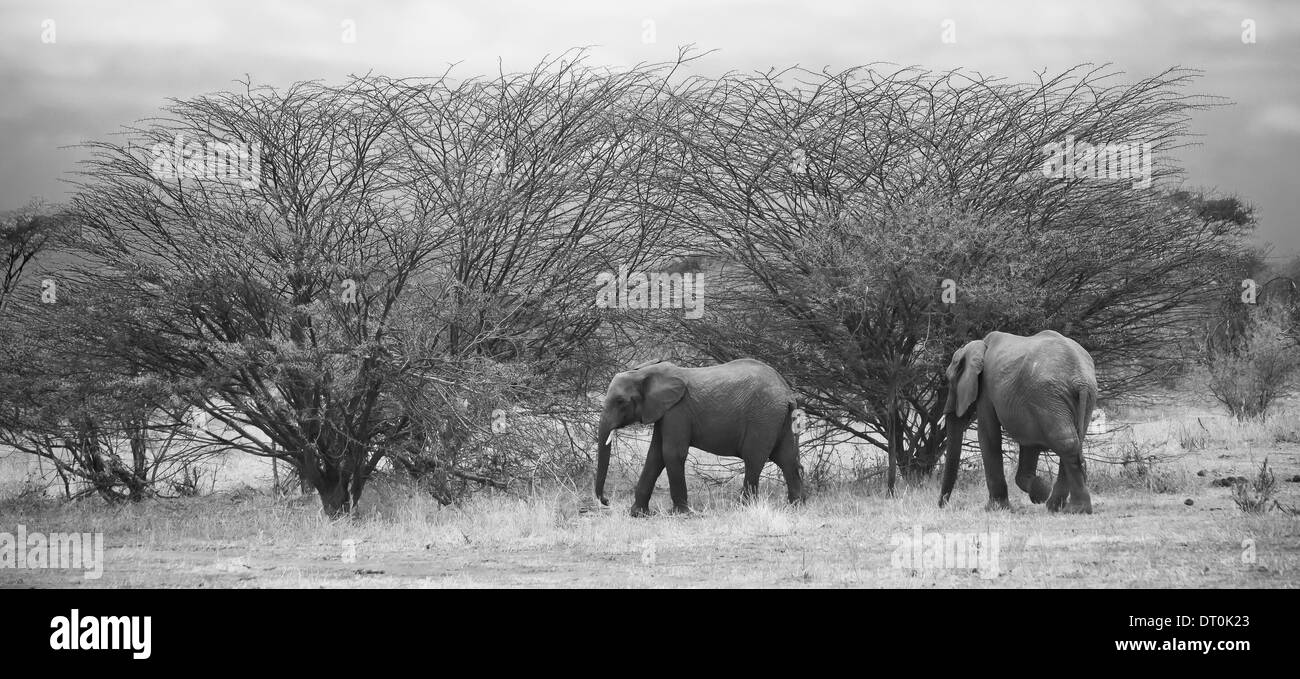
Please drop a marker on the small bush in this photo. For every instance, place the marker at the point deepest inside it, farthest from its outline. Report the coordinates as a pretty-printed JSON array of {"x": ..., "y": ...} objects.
[
  {"x": 1286, "y": 430},
  {"x": 1141, "y": 469},
  {"x": 1190, "y": 436},
  {"x": 1257, "y": 496},
  {"x": 189, "y": 483},
  {"x": 1252, "y": 368},
  {"x": 31, "y": 498}
]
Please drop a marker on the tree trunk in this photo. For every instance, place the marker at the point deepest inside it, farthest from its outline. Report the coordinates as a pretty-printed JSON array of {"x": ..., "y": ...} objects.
[
  {"x": 335, "y": 500},
  {"x": 139, "y": 482},
  {"x": 338, "y": 479}
]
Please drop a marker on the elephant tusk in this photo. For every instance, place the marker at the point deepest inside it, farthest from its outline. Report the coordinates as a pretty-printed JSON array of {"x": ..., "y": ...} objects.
[{"x": 609, "y": 439}]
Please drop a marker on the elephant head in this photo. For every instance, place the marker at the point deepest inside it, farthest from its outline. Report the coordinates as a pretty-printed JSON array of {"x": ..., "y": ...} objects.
[
  {"x": 964, "y": 378},
  {"x": 640, "y": 395},
  {"x": 963, "y": 390}
]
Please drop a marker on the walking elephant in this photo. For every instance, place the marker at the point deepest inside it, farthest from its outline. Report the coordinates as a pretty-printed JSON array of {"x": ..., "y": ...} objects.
[
  {"x": 1041, "y": 390},
  {"x": 738, "y": 409}
]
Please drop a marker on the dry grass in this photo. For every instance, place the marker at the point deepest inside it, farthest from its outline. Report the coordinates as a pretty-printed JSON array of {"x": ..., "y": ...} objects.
[
  {"x": 1143, "y": 532},
  {"x": 838, "y": 539}
]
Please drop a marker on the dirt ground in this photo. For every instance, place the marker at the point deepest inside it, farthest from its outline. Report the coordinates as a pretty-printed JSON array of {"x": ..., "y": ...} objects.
[{"x": 842, "y": 538}]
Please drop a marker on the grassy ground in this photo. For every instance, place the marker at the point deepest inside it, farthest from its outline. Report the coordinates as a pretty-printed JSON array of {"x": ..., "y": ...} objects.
[
  {"x": 1142, "y": 534},
  {"x": 841, "y": 538}
]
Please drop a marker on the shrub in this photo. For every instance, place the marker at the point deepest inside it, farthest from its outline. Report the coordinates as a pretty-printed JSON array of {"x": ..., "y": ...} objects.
[
  {"x": 1191, "y": 437},
  {"x": 1141, "y": 469},
  {"x": 1256, "y": 365},
  {"x": 1256, "y": 497}
]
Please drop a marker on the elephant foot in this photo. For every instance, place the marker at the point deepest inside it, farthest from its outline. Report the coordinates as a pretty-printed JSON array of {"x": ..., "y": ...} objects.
[
  {"x": 944, "y": 500},
  {"x": 797, "y": 499},
  {"x": 683, "y": 509},
  {"x": 995, "y": 504},
  {"x": 1078, "y": 508},
  {"x": 1039, "y": 491},
  {"x": 640, "y": 511},
  {"x": 1055, "y": 502}
]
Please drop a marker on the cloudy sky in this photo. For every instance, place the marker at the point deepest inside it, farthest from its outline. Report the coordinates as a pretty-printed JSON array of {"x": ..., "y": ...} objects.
[{"x": 113, "y": 62}]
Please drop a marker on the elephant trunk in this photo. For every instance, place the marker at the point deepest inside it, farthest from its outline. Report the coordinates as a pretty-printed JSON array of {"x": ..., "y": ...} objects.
[
  {"x": 956, "y": 427},
  {"x": 603, "y": 438}
]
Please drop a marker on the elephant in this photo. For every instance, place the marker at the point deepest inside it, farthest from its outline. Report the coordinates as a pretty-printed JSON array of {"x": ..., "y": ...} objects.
[
  {"x": 1041, "y": 390},
  {"x": 742, "y": 408}
]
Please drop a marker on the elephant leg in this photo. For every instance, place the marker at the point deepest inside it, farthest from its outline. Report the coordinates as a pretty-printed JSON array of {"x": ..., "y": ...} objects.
[
  {"x": 990, "y": 434},
  {"x": 786, "y": 457},
  {"x": 1080, "y": 501},
  {"x": 674, "y": 450},
  {"x": 654, "y": 465},
  {"x": 1060, "y": 489},
  {"x": 1027, "y": 478},
  {"x": 753, "y": 470}
]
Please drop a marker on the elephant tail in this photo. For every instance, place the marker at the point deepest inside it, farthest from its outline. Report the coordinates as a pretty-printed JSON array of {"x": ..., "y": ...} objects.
[
  {"x": 1086, "y": 399},
  {"x": 787, "y": 425}
]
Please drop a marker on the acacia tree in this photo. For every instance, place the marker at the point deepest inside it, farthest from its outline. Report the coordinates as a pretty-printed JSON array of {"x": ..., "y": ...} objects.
[
  {"x": 844, "y": 205},
  {"x": 391, "y": 238},
  {"x": 543, "y": 177},
  {"x": 24, "y": 233},
  {"x": 102, "y": 430},
  {"x": 95, "y": 420},
  {"x": 232, "y": 275}
]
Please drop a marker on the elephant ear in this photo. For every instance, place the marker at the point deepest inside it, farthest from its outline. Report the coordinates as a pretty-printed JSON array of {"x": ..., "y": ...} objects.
[
  {"x": 660, "y": 390},
  {"x": 964, "y": 377}
]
